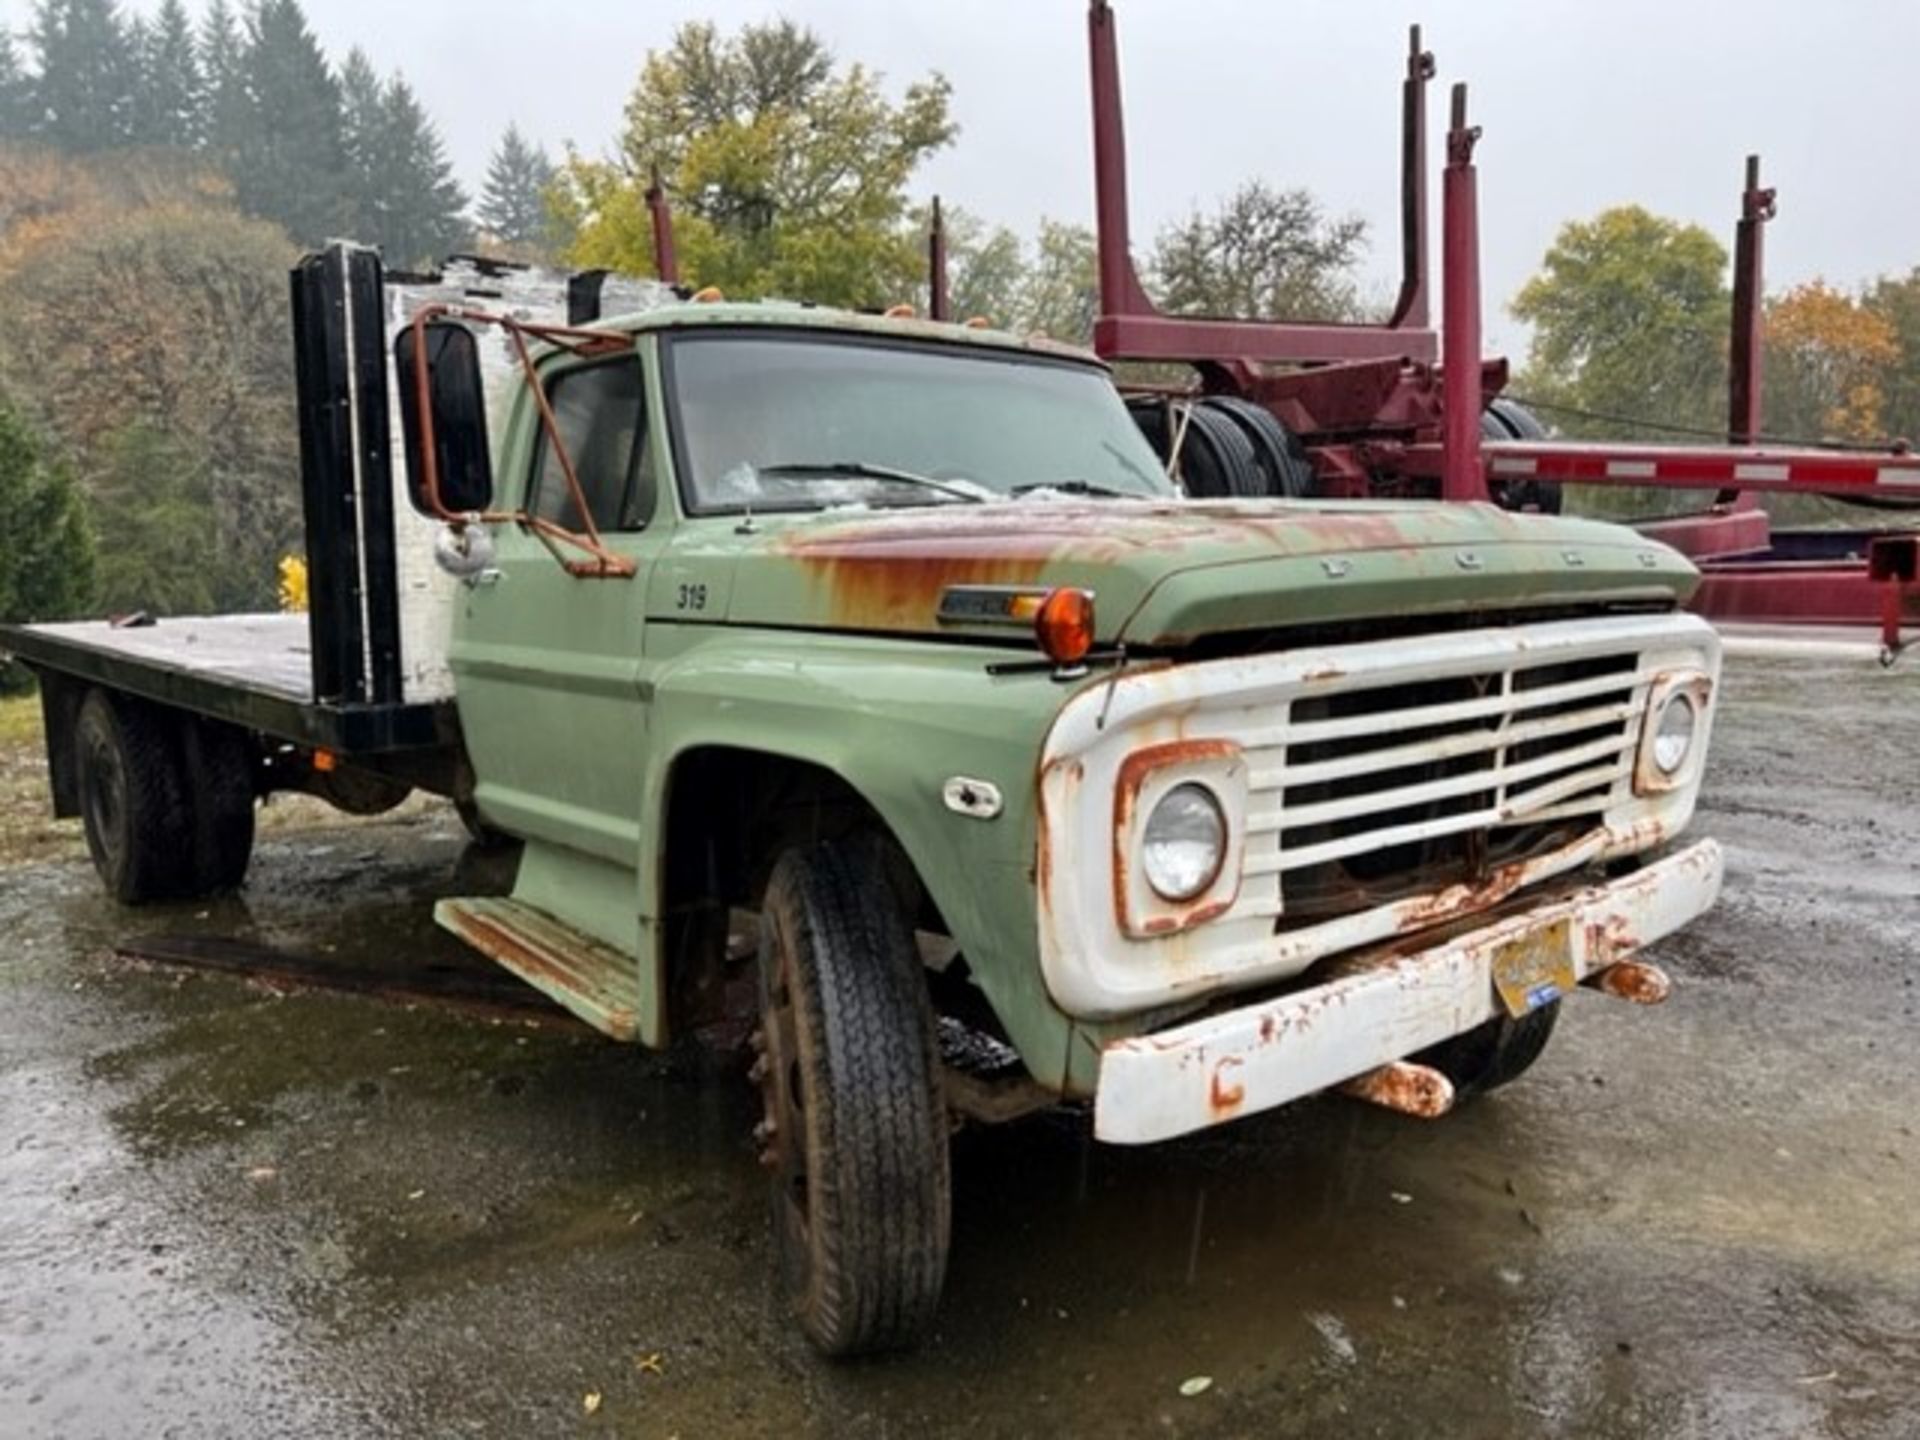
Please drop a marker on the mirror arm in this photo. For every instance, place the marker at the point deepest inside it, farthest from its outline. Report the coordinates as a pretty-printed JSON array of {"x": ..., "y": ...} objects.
[
  {"x": 594, "y": 546},
  {"x": 604, "y": 562}
]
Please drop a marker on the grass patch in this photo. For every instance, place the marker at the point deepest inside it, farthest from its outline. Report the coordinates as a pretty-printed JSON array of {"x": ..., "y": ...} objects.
[
  {"x": 28, "y": 830},
  {"x": 19, "y": 721}
]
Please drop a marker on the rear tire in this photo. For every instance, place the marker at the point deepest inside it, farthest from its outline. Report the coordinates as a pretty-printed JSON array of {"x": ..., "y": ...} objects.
[
  {"x": 855, "y": 1127},
  {"x": 220, "y": 769},
  {"x": 1493, "y": 1054},
  {"x": 133, "y": 799}
]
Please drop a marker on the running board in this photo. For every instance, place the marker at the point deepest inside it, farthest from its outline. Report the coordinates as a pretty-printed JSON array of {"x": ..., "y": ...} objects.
[{"x": 589, "y": 977}]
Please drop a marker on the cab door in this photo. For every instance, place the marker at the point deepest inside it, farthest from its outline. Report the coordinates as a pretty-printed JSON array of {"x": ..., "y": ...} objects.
[{"x": 547, "y": 663}]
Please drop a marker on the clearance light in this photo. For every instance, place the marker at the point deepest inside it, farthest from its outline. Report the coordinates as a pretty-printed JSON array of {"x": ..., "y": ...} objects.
[
  {"x": 977, "y": 322},
  {"x": 708, "y": 295},
  {"x": 899, "y": 312},
  {"x": 1064, "y": 625}
]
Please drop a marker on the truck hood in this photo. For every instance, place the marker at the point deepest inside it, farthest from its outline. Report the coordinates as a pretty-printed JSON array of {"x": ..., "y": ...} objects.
[{"x": 1166, "y": 572}]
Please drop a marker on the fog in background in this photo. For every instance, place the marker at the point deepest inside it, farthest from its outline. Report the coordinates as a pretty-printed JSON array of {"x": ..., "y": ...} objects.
[{"x": 1584, "y": 105}]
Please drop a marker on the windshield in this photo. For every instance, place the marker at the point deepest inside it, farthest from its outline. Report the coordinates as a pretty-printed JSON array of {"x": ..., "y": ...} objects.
[{"x": 794, "y": 421}]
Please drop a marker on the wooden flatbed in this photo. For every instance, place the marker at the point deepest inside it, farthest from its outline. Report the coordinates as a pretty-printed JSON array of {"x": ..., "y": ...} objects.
[{"x": 255, "y": 671}]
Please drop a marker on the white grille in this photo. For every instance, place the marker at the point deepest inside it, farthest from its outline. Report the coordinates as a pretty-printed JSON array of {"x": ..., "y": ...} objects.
[
  {"x": 1406, "y": 784},
  {"x": 1382, "y": 787}
]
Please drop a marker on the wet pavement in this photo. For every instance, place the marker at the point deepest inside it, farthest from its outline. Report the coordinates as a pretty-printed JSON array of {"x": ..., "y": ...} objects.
[{"x": 226, "y": 1210}]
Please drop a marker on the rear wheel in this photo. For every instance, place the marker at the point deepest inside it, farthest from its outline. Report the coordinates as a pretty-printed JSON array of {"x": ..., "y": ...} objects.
[
  {"x": 220, "y": 771},
  {"x": 854, "y": 1129},
  {"x": 1495, "y": 1053},
  {"x": 133, "y": 799}
]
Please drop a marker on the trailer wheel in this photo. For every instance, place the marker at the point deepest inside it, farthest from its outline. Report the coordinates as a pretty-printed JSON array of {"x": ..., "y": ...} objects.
[
  {"x": 220, "y": 767},
  {"x": 854, "y": 1132},
  {"x": 1216, "y": 457},
  {"x": 1504, "y": 420},
  {"x": 1219, "y": 459},
  {"x": 1281, "y": 457},
  {"x": 133, "y": 799},
  {"x": 1493, "y": 1054}
]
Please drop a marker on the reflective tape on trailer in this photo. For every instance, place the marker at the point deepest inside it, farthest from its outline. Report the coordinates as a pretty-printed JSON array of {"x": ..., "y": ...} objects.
[{"x": 1705, "y": 466}]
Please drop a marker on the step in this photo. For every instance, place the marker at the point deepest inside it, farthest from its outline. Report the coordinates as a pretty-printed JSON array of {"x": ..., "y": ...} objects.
[{"x": 589, "y": 977}]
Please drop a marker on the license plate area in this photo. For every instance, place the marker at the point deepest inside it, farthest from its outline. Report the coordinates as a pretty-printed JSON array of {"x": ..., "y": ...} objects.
[{"x": 1534, "y": 969}]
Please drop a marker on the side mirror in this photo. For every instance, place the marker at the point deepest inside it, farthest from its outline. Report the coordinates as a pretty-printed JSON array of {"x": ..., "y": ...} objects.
[{"x": 459, "y": 472}]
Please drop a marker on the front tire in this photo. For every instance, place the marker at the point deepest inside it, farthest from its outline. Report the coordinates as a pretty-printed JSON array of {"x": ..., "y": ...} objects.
[{"x": 855, "y": 1125}]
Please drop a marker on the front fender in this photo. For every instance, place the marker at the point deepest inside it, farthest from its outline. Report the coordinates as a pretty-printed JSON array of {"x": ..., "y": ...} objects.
[{"x": 895, "y": 720}]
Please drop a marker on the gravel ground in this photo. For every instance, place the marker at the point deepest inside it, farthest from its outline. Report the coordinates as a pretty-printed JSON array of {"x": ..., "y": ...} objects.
[{"x": 230, "y": 1210}]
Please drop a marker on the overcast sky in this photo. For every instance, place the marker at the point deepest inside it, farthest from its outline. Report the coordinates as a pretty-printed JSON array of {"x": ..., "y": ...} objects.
[{"x": 1584, "y": 104}]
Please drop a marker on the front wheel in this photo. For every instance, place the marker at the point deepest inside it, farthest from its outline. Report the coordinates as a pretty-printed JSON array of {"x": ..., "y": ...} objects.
[{"x": 854, "y": 1130}]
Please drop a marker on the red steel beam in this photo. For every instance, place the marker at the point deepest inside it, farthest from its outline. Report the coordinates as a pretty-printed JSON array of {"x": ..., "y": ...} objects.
[
  {"x": 665, "y": 262},
  {"x": 1120, "y": 290},
  {"x": 1805, "y": 593},
  {"x": 1745, "y": 348},
  {"x": 1131, "y": 327},
  {"x": 1410, "y": 309},
  {"x": 1749, "y": 467},
  {"x": 1462, "y": 476},
  {"x": 938, "y": 305}
]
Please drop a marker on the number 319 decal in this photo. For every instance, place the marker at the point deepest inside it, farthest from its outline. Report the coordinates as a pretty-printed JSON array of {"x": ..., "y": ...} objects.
[{"x": 692, "y": 597}]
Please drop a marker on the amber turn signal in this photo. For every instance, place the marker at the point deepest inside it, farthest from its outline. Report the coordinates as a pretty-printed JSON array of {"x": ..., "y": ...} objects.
[{"x": 1064, "y": 625}]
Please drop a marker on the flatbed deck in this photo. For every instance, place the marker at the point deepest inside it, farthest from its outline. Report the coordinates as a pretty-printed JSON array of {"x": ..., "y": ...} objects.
[{"x": 253, "y": 670}]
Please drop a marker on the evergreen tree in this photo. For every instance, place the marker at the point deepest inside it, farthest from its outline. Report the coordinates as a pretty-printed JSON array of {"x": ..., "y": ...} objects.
[
  {"x": 431, "y": 221},
  {"x": 289, "y": 163},
  {"x": 226, "y": 111},
  {"x": 513, "y": 205},
  {"x": 46, "y": 547},
  {"x": 170, "y": 99},
  {"x": 16, "y": 93},
  {"x": 362, "y": 113},
  {"x": 88, "y": 74},
  {"x": 405, "y": 197}
]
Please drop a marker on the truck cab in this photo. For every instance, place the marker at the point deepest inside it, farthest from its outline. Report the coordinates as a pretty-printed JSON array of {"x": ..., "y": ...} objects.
[{"x": 894, "y": 641}]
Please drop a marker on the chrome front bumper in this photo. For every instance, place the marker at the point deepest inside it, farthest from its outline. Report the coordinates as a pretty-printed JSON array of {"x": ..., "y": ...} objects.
[{"x": 1380, "y": 1009}]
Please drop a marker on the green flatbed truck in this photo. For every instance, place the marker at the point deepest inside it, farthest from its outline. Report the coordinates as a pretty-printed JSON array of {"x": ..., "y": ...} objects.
[{"x": 1045, "y": 783}]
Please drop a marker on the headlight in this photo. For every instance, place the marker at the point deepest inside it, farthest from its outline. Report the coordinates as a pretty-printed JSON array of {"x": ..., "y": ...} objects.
[
  {"x": 1673, "y": 732},
  {"x": 1184, "y": 843}
]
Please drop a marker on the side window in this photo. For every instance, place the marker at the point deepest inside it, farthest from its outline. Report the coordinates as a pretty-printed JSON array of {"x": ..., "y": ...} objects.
[{"x": 601, "y": 414}]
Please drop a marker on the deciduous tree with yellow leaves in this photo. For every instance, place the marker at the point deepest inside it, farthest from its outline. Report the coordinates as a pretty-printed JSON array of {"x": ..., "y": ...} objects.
[
  {"x": 1828, "y": 357},
  {"x": 788, "y": 170}
]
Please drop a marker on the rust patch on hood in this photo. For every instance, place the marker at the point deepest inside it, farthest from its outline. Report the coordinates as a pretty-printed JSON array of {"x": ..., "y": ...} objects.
[{"x": 886, "y": 570}]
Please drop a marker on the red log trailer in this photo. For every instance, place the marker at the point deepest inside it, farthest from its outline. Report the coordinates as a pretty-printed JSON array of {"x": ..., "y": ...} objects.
[{"x": 1369, "y": 409}]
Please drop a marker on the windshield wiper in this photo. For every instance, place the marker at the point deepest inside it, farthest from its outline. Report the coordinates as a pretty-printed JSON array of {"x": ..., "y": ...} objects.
[
  {"x": 1073, "y": 487},
  {"x": 861, "y": 470}
]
